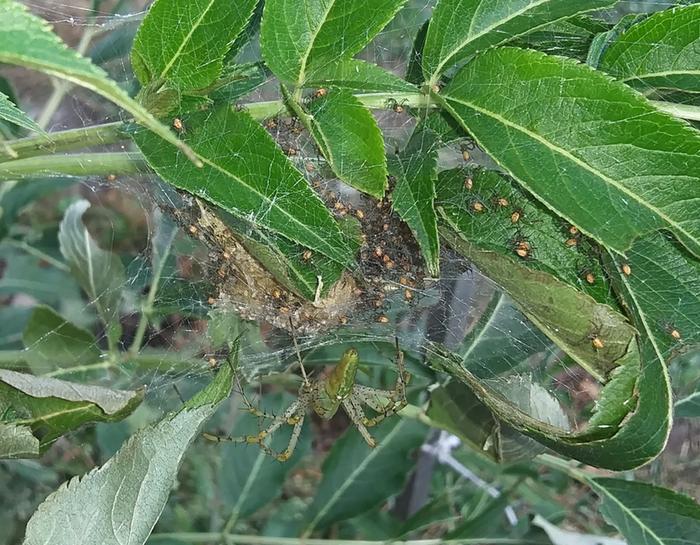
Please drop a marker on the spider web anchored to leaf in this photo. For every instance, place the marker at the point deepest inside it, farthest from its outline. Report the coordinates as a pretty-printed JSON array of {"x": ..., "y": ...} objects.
[
  {"x": 208, "y": 293},
  {"x": 446, "y": 311}
]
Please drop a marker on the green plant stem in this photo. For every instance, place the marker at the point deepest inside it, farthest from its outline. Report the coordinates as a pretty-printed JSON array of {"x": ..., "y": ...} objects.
[
  {"x": 109, "y": 133},
  {"x": 565, "y": 466},
  {"x": 32, "y": 162},
  {"x": 210, "y": 537},
  {"x": 68, "y": 140},
  {"x": 78, "y": 164},
  {"x": 147, "y": 308},
  {"x": 416, "y": 413}
]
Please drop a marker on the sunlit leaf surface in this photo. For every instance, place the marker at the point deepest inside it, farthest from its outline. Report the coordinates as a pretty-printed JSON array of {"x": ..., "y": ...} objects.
[
  {"x": 246, "y": 174},
  {"x": 461, "y": 28},
  {"x": 51, "y": 407},
  {"x": 625, "y": 171},
  {"x": 299, "y": 35},
  {"x": 183, "y": 42},
  {"x": 647, "y": 514},
  {"x": 662, "y": 51}
]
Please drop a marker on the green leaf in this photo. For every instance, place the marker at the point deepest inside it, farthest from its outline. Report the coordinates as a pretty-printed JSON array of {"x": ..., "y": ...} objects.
[
  {"x": 567, "y": 316},
  {"x": 689, "y": 406},
  {"x": 120, "y": 502},
  {"x": 602, "y": 41},
  {"x": 461, "y": 28},
  {"x": 17, "y": 442},
  {"x": 455, "y": 408},
  {"x": 438, "y": 510},
  {"x": 251, "y": 31},
  {"x": 53, "y": 342},
  {"x": 25, "y": 273},
  {"x": 100, "y": 273},
  {"x": 648, "y": 514},
  {"x": 625, "y": 171},
  {"x": 10, "y": 112},
  {"x": 610, "y": 444},
  {"x": 414, "y": 72},
  {"x": 10, "y": 130},
  {"x": 246, "y": 174},
  {"x": 533, "y": 399},
  {"x": 664, "y": 287},
  {"x": 27, "y": 41},
  {"x": 494, "y": 213},
  {"x": 357, "y": 75},
  {"x": 52, "y": 407},
  {"x": 350, "y": 140},
  {"x": 299, "y": 35},
  {"x": 13, "y": 319},
  {"x": 485, "y": 352},
  {"x": 237, "y": 81},
  {"x": 571, "y": 329},
  {"x": 662, "y": 51},
  {"x": 484, "y": 524},
  {"x": 570, "y": 37},
  {"x": 415, "y": 170},
  {"x": 15, "y": 198},
  {"x": 357, "y": 478},
  {"x": 182, "y": 43}
]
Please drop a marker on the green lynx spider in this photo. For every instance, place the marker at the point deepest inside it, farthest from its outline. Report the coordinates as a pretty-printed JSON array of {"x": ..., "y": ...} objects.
[{"x": 325, "y": 394}]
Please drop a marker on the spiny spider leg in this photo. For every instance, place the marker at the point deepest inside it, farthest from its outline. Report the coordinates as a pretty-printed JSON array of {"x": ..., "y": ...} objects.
[
  {"x": 357, "y": 415},
  {"x": 385, "y": 402},
  {"x": 293, "y": 415},
  {"x": 252, "y": 409},
  {"x": 228, "y": 439},
  {"x": 290, "y": 416},
  {"x": 377, "y": 400},
  {"x": 296, "y": 432}
]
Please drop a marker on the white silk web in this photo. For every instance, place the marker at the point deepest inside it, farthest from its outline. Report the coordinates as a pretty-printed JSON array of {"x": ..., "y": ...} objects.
[{"x": 190, "y": 325}]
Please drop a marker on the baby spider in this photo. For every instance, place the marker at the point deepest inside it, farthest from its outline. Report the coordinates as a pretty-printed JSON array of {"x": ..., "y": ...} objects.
[
  {"x": 325, "y": 394},
  {"x": 398, "y": 107}
]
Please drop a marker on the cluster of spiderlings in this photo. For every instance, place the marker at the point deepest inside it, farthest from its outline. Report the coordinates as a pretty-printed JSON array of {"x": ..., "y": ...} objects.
[
  {"x": 573, "y": 236},
  {"x": 518, "y": 244}
]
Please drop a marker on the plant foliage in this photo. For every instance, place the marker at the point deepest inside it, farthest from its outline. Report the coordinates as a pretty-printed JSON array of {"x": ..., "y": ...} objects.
[{"x": 583, "y": 212}]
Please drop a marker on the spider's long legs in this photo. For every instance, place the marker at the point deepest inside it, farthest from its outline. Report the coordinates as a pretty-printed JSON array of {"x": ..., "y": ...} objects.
[
  {"x": 246, "y": 439},
  {"x": 296, "y": 432},
  {"x": 290, "y": 416},
  {"x": 358, "y": 417},
  {"x": 386, "y": 403},
  {"x": 252, "y": 409}
]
